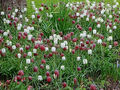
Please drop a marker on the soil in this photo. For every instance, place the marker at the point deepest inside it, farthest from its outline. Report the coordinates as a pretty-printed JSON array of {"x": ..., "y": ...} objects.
[{"x": 113, "y": 85}]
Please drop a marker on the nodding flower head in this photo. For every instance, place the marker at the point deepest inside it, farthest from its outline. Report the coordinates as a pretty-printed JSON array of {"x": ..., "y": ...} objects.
[
  {"x": 49, "y": 79},
  {"x": 21, "y": 72},
  {"x": 35, "y": 69},
  {"x": 64, "y": 84},
  {"x": 42, "y": 47}
]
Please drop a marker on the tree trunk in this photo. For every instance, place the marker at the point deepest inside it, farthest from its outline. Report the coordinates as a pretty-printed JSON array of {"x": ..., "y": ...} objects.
[{"x": 4, "y": 4}]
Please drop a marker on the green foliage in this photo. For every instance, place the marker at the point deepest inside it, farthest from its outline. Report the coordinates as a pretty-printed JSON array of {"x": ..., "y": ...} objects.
[{"x": 101, "y": 64}]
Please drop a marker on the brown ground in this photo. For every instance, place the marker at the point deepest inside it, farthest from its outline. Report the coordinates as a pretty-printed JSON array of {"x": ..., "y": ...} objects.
[{"x": 113, "y": 85}]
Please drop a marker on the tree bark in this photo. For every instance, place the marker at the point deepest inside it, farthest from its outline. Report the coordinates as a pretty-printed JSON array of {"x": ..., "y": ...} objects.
[{"x": 4, "y": 4}]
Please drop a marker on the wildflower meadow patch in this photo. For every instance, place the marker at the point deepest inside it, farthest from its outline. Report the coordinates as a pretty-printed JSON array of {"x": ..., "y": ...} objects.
[{"x": 73, "y": 45}]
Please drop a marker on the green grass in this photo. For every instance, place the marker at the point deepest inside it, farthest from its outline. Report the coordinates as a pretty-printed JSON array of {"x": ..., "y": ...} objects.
[
  {"x": 101, "y": 65},
  {"x": 48, "y": 2}
]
